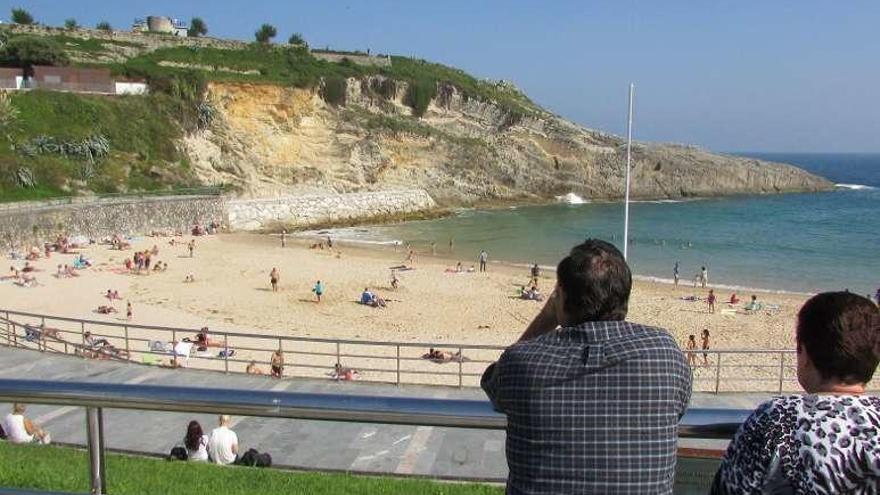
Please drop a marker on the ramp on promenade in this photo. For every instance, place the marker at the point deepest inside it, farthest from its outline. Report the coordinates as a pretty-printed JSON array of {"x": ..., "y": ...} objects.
[{"x": 320, "y": 445}]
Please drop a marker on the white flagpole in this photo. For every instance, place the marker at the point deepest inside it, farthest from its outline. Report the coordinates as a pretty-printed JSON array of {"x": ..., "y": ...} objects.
[{"x": 629, "y": 137}]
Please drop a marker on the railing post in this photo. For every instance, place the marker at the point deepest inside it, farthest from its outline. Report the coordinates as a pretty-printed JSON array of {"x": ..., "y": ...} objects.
[
  {"x": 225, "y": 353},
  {"x": 8, "y": 329},
  {"x": 717, "y": 372},
  {"x": 338, "y": 354},
  {"x": 460, "y": 356},
  {"x": 781, "y": 370},
  {"x": 82, "y": 334},
  {"x": 95, "y": 439},
  {"x": 41, "y": 342},
  {"x": 398, "y": 364},
  {"x": 127, "y": 349}
]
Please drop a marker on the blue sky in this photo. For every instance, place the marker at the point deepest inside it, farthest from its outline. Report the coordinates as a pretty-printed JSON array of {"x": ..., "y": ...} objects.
[{"x": 729, "y": 75}]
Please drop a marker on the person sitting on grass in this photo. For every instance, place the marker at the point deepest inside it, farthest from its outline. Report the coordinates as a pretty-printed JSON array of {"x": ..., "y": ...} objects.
[
  {"x": 19, "y": 429},
  {"x": 223, "y": 443},
  {"x": 196, "y": 443}
]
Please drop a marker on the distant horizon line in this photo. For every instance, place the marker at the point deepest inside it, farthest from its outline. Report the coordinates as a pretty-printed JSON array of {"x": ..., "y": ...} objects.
[{"x": 803, "y": 152}]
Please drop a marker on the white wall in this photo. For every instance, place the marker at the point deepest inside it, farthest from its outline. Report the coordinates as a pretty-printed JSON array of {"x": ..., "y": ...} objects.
[{"x": 131, "y": 88}]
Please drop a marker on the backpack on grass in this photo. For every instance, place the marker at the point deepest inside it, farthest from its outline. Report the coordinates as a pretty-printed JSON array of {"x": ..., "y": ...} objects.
[{"x": 253, "y": 458}]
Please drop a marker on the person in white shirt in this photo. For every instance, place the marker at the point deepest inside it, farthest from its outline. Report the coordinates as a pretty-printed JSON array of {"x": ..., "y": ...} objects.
[
  {"x": 19, "y": 429},
  {"x": 223, "y": 444},
  {"x": 196, "y": 443}
]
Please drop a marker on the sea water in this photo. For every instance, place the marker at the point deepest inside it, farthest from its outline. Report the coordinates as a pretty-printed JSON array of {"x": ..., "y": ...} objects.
[{"x": 792, "y": 242}]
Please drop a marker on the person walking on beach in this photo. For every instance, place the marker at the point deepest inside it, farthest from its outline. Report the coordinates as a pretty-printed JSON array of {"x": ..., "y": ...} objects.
[
  {"x": 704, "y": 276},
  {"x": 691, "y": 346},
  {"x": 318, "y": 289},
  {"x": 484, "y": 257},
  {"x": 283, "y": 237},
  {"x": 128, "y": 311},
  {"x": 577, "y": 385},
  {"x": 536, "y": 273},
  {"x": 451, "y": 244},
  {"x": 710, "y": 300},
  {"x": 675, "y": 273},
  {"x": 705, "y": 346},
  {"x": 191, "y": 246},
  {"x": 274, "y": 276}
]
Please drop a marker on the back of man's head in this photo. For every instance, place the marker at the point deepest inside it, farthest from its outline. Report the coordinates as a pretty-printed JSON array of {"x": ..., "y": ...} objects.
[
  {"x": 225, "y": 420},
  {"x": 596, "y": 282}
]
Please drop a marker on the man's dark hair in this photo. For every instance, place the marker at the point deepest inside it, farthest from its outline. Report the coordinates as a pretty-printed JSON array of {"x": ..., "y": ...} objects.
[
  {"x": 596, "y": 281},
  {"x": 841, "y": 334}
]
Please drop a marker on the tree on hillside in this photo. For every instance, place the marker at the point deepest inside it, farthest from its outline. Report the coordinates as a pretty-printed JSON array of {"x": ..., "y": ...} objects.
[
  {"x": 71, "y": 23},
  {"x": 297, "y": 39},
  {"x": 21, "y": 16},
  {"x": 27, "y": 51},
  {"x": 197, "y": 27},
  {"x": 104, "y": 26},
  {"x": 265, "y": 34}
]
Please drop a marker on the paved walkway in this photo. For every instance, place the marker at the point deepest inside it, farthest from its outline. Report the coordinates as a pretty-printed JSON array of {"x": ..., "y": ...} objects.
[{"x": 430, "y": 451}]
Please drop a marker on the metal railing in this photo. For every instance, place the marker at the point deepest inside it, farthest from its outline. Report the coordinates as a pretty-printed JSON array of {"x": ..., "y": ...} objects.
[
  {"x": 696, "y": 423},
  {"x": 727, "y": 370}
]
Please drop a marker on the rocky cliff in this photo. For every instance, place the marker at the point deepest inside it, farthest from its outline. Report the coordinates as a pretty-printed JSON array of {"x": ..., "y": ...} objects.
[{"x": 273, "y": 140}]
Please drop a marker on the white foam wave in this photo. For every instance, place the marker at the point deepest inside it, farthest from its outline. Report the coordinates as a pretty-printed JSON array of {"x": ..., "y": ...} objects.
[
  {"x": 855, "y": 187},
  {"x": 571, "y": 198},
  {"x": 659, "y": 201}
]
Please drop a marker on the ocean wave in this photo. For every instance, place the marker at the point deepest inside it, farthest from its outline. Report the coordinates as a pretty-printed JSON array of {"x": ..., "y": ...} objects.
[
  {"x": 735, "y": 288},
  {"x": 572, "y": 199},
  {"x": 855, "y": 187},
  {"x": 660, "y": 201}
]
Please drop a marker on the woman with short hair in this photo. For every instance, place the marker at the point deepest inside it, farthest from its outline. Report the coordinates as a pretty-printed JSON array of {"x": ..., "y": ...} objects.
[
  {"x": 827, "y": 440},
  {"x": 196, "y": 442}
]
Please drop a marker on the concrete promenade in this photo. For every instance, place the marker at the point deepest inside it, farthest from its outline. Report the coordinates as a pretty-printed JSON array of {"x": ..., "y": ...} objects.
[{"x": 404, "y": 450}]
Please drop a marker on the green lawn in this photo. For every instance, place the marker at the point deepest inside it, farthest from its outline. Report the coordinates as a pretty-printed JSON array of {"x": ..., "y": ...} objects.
[{"x": 66, "y": 469}]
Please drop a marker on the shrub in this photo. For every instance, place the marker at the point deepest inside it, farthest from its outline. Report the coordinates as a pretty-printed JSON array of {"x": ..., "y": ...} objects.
[
  {"x": 419, "y": 95},
  {"x": 104, "y": 26},
  {"x": 197, "y": 27},
  {"x": 70, "y": 23},
  {"x": 265, "y": 34},
  {"x": 333, "y": 90},
  {"x": 26, "y": 51},
  {"x": 297, "y": 39},
  {"x": 21, "y": 16}
]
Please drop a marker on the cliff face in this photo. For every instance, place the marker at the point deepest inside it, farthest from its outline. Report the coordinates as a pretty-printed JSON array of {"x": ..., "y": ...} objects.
[{"x": 273, "y": 140}]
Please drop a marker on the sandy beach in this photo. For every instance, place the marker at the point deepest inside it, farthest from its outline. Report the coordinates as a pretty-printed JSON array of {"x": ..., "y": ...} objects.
[{"x": 231, "y": 292}]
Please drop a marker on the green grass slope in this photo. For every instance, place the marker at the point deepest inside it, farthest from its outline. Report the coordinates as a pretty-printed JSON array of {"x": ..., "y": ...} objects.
[{"x": 64, "y": 469}]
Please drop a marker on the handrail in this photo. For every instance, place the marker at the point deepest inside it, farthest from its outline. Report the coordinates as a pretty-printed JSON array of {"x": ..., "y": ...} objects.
[
  {"x": 456, "y": 413},
  {"x": 420, "y": 345},
  {"x": 696, "y": 423},
  {"x": 383, "y": 361}
]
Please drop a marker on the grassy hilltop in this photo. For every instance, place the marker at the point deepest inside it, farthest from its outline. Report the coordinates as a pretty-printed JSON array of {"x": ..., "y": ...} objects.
[
  {"x": 143, "y": 131},
  {"x": 269, "y": 119}
]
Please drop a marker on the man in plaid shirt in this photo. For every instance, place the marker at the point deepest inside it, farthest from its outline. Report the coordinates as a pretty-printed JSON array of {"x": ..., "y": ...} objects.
[{"x": 592, "y": 401}]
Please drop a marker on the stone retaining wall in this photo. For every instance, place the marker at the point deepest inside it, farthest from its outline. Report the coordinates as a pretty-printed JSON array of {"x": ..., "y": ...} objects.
[
  {"x": 32, "y": 224},
  {"x": 308, "y": 210}
]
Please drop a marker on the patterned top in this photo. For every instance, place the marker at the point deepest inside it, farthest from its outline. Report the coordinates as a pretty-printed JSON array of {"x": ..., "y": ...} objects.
[
  {"x": 805, "y": 444},
  {"x": 591, "y": 409}
]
